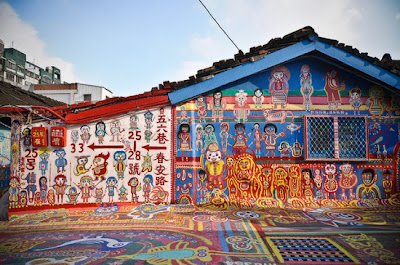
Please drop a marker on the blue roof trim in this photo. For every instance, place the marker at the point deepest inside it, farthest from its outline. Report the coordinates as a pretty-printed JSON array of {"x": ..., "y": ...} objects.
[{"x": 280, "y": 57}]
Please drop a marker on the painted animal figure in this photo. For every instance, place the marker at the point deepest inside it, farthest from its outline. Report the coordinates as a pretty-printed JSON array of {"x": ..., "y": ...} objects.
[
  {"x": 177, "y": 252},
  {"x": 108, "y": 243},
  {"x": 275, "y": 116}
]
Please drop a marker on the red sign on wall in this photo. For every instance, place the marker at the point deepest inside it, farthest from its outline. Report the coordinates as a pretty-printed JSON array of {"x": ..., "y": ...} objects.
[
  {"x": 58, "y": 136},
  {"x": 39, "y": 136}
]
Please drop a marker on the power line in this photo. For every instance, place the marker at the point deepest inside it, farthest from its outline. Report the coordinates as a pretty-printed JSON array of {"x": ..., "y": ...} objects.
[{"x": 219, "y": 25}]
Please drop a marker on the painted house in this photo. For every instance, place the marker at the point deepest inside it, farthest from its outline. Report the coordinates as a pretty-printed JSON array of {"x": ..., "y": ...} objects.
[{"x": 302, "y": 121}]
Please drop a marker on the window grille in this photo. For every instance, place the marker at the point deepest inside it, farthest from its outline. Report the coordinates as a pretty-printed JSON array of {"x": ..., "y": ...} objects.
[{"x": 336, "y": 138}]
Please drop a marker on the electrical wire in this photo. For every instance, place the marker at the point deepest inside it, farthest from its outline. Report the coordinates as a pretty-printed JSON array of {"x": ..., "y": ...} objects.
[{"x": 219, "y": 25}]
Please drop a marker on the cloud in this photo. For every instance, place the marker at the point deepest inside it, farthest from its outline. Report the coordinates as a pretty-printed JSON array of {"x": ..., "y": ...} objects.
[{"x": 17, "y": 34}]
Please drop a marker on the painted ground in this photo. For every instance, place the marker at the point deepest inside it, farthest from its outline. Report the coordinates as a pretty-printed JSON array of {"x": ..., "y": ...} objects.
[{"x": 186, "y": 234}]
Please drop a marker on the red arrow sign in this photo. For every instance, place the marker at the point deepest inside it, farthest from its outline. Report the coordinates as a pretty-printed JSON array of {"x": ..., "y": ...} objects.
[
  {"x": 148, "y": 147},
  {"x": 93, "y": 146}
]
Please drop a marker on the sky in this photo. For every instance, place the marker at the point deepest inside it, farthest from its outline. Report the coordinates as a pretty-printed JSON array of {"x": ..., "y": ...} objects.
[{"x": 130, "y": 46}]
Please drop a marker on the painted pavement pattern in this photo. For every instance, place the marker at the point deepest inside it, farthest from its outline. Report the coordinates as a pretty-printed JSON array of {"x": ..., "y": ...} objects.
[{"x": 187, "y": 234}]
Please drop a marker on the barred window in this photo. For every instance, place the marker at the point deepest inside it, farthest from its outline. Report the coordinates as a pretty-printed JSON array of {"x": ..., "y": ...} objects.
[{"x": 336, "y": 138}]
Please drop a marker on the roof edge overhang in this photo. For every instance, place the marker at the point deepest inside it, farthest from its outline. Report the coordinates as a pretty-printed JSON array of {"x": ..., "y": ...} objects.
[{"x": 279, "y": 57}]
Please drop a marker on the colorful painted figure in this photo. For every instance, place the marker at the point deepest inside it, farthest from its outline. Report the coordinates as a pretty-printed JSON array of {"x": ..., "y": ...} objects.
[
  {"x": 51, "y": 197},
  {"x": 123, "y": 193},
  {"x": 111, "y": 186},
  {"x": 184, "y": 118},
  {"x": 202, "y": 186},
  {"x": 224, "y": 134},
  {"x": 100, "y": 131},
  {"x": 347, "y": 181},
  {"x": 135, "y": 187},
  {"x": 44, "y": 162},
  {"x": 99, "y": 195},
  {"x": 184, "y": 140},
  {"x": 295, "y": 182},
  {"x": 73, "y": 195},
  {"x": 375, "y": 103},
  {"x": 297, "y": 150},
  {"x": 27, "y": 137},
  {"x": 308, "y": 186},
  {"x": 147, "y": 184},
  {"x": 81, "y": 166},
  {"x": 240, "y": 144},
  {"x": 43, "y": 188},
  {"x": 306, "y": 86},
  {"x": 60, "y": 162},
  {"x": 201, "y": 108},
  {"x": 100, "y": 166},
  {"x": 37, "y": 201},
  {"x": 281, "y": 184},
  {"x": 85, "y": 134},
  {"x": 60, "y": 186},
  {"x": 133, "y": 122},
  {"x": 257, "y": 136},
  {"x": 214, "y": 166},
  {"x": 159, "y": 195},
  {"x": 284, "y": 148},
  {"x": 199, "y": 137},
  {"x": 368, "y": 190},
  {"x": 119, "y": 163},
  {"x": 209, "y": 136},
  {"x": 333, "y": 88},
  {"x": 148, "y": 119},
  {"x": 355, "y": 100},
  {"x": 318, "y": 180},
  {"x": 258, "y": 98},
  {"x": 387, "y": 183},
  {"x": 147, "y": 135},
  {"x": 116, "y": 130},
  {"x": 86, "y": 186},
  {"x": 147, "y": 164},
  {"x": 74, "y": 136},
  {"x": 217, "y": 106},
  {"x": 242, "y": 109},
  {"x": 23, "y": 200},
  {"x": 279, "y": 86},
  {"x": 331, "y": 184},
  {"x": 270, "y": 138},
  {"x": 31, "y": 185},
  {"x": 14, "y": 192}
]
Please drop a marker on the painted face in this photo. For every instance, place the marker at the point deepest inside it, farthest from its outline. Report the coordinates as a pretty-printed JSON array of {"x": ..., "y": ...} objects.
[
  {"x": 368, "y": 178},
  {"x": 270, "y": 130},
  {"x": 213, "y": 156},
  {"x": 218, "y": 95},
  {"x": 330, "y": 169},
  {"x": 60, "y": 181},
  {"x": 86, "y": 182},
  {"x": 278, "y": 75},
  {"x": 346, "y": 168},
  {"x": 258, "y": 93},
  {"x": 98, "y": 161},
  {"x": 82, "y": 161},
  {"x": 306, "y": 175},
  {"x": 230, "y": 161},
  {"x": 240, "y": 130},
  {"x": 244, "y": 164},
  {"x": 133, "y": 182}
]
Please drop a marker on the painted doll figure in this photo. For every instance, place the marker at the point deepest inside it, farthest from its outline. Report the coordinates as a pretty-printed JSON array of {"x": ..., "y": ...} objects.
[
  {"x": 73, "y": 195},
  {"x": 209, "y": 136},
  {"x": 27, "y": 137},
  {"x": 270, "y": 138},
  {"x": 279, "y": 86},
  {"x": 184, "y": 118},
  {"x": 240, "y": 144},
  {"x": 133, "y": 122},
  {"x": 387, "y": 183},
  {"x": 98, "y": 195},
  {"x": 333, "y": 88},
  {"x": 148, "y": 119},
  {"x": 119, "y": 163},
  {"x": 306, "y": 86},
  {"x": 257, "y": 135},
  {"x": 199, "y": 137},
  {"x": 123, "y": 193},
  {"x": 330, "y": 184},
  {"x": 111, "y": 186},
  {"x": 86, "y": 186},
  {"x": 31, "y": 185},
  {"x": 100, "y": 166},
  {"x": 14, "y": 192},
  {"x": 258, "y": 98},
  {"x": 60, "y": 187},
  {"x": 242, "y": 109},
  {"x": 135, "y": 187},
  {"x": 43, "y": 188},
  {"x": 74, "y": 136},
  {"x": 217, "y": 106},
  {"x": 147, "y": 184},
  {"x": 116, "y": 130},
  {"x": 214, "y": 166},
  {"x": 51, "y": 197},
  {"x": 184, "y": 140},
  {"x": 224, "y": 134},
  {"x": 202, "y": 186},
  {"x": 81, "y": 166},
  {"x": 347, "y": 181},
  {"x": 375, "y": 103},
  {"x": 100, "y": 131},
  {"x": 44, "y": 162},
  {"x": 201, "y": 108},
  {"x": 60, "y": 162},
  {"x": 308, "y": 186},
  {"x": 284, "y": 148},
  {"x": 318, "y": 184},
  {"x": 85, "y": 134},
  {"x": 355, "y": 100}
]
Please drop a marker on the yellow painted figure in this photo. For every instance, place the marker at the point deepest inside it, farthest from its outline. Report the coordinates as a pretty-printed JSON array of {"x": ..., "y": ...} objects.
[{"x": 368, "y": 190}]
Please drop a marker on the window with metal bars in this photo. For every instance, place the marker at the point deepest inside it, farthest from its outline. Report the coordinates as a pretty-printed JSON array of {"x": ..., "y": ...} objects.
[{"x": 336, "y": 138}]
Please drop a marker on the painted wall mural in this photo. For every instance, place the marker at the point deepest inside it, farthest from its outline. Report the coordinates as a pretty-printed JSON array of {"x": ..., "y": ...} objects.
[
  {"x": 248, "y": 144},
  {"x": 123, "y": 159}
]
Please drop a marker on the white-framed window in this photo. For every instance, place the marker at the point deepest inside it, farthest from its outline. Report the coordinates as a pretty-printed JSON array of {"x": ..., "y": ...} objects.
[
  {"x": 87, "y": 97},
  {"x": 19, "y": 80},
  {"x": 336, "y": 137},
  {"x": 10, "y": 77}
]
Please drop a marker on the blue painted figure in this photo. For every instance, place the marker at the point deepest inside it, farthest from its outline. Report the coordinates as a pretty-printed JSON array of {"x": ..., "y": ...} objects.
[{"x": 60, "y": 162}]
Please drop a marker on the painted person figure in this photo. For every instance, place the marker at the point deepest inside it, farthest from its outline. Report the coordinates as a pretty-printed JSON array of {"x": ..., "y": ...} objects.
[
  {"x": 111, "y": 185},
  {"x": 148, "y": 183},
  {"x": 217, "y": 106},
  {"x": 270, "y": 138},
  {"x": 60, "y": 186},
  {"x": 258, "y": 98},
  {"x": 387, "y": 183},
  {"x": 319, "y": 195},
  {"x": 85, "y": 134},
  {"x": 355, "y": 100},
  {"x": 43, "y": 188},
  {"x": 86, "y": 186},
  {"x": 368, "y": 190},
  {"x": 199, "y": 137},
  {"x": 308, "y": 186},
  {"x": 306, "y": 86},
  {"x": 257, "y": 135},
  {"x": 279, "y": 86},
  {"x": 184, "y": 140},
  {"x": 209, "y": 136},
  {"x": 224, "y": 134},
  {"x": 240, "y": 144},
  {"x": 242, "y": 109},
  {"x": 100, "y": 131},
  {"x": 202, "y": 186},
  {"x": 135, "y": 187},
  {"x": 60, "y": 162},
  {"x": 119, "y": 163},
  {"x": 333, "y": 88},
  {"x": 201, "y": 108},
  {"x": 44, "y": 162}
]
